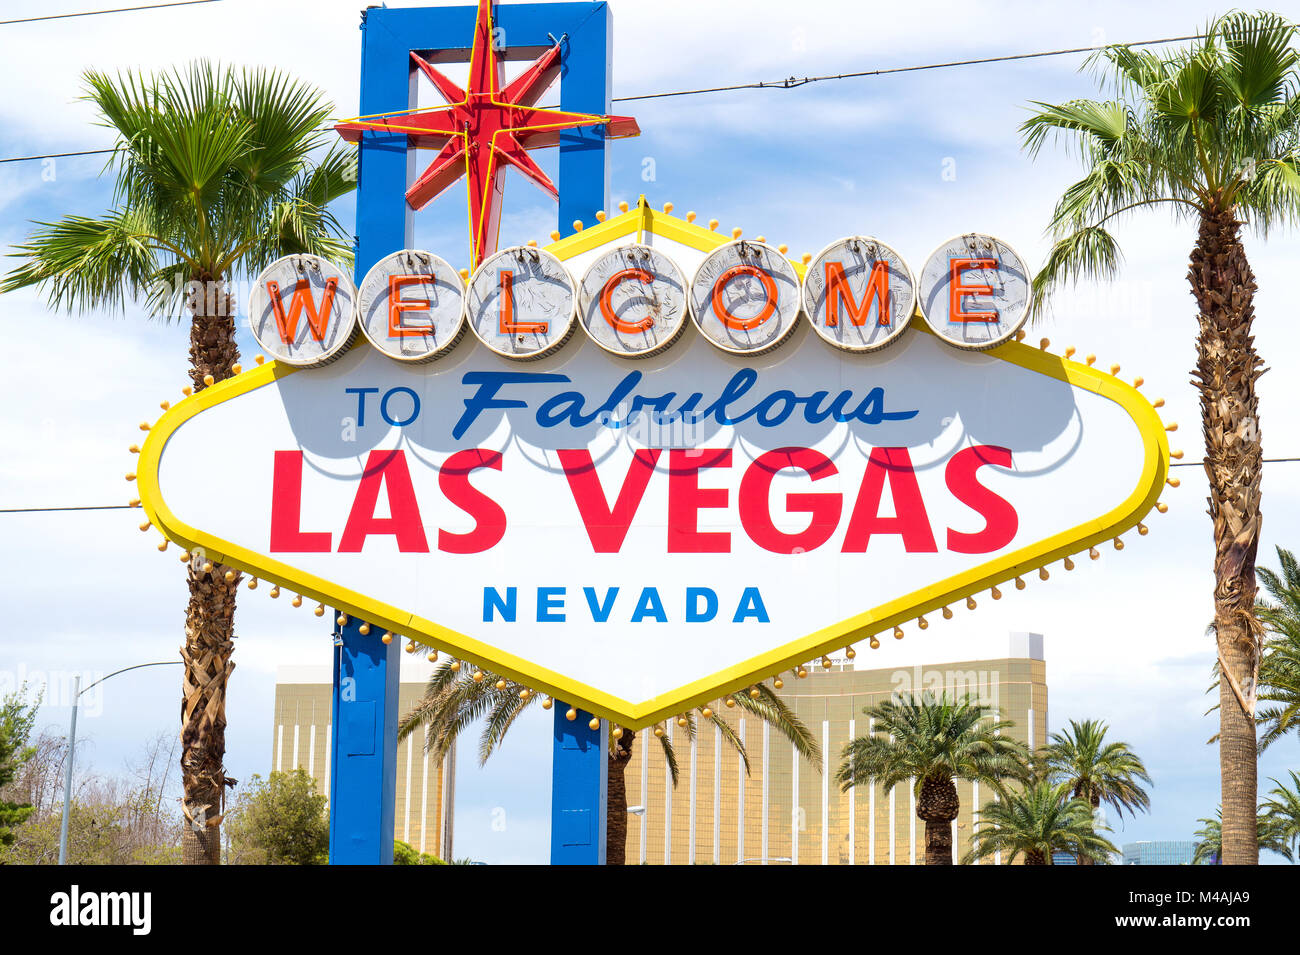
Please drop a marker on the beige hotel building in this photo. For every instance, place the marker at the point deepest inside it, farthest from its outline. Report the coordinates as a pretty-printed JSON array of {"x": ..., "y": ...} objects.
[
  {"x": 788, "y": 811},
  {"x": 425, "y": 814},
  {"x": 784, "y": 811}
]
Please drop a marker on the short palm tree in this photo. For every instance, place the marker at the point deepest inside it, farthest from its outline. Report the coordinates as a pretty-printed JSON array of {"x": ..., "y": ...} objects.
[
  {"x": 1097, "y": 771},
  {"x": 214, "y": 180},
  {"x": 456, "y": 696},
  {"x": 1210, "y": 132},
  {"x": 1282, "y": 814},
  {"x": 1036, "y": 822},
  {"x": 932, "y": 742},
  {"x": 1279, "y": 668},
  {"x": 1209, "y": 839}
]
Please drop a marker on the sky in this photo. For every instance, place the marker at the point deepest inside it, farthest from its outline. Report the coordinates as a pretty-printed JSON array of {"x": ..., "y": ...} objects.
[{"x": 911, "y": 158}]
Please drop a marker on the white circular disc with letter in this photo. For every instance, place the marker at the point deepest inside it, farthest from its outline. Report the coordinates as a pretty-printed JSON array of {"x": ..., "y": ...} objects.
[
  {"x": 859, "y": 294},
  {"x": 975, "y": 291},
  {"x": 521, "y": 303},
  {"x": 411, "y": 306},
  {"x": 302, "y": 310},
  {"x": 745, "y": 297},
  {"x": 632, "y": 301}
]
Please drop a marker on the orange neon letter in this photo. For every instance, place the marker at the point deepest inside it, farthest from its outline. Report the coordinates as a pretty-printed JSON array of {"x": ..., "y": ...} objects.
[
  {"x": 506, "y": 324},
  {"x": 720, "y": 307},
  {"x": 837, "y": 291},
  {"x": 607, "y": 305},
  {"x": 958, "y": 292},
  {"x": 396, "y": 306},
  {"x": 288, "y": 326}
]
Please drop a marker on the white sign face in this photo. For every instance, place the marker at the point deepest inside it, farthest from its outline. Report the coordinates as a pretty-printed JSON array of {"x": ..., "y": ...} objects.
[
  {"x": 638, "y": 537},
  {"x": 975, "y": 291},
  {"x": 412, "y": 306},
  {"x": 745, "y": 297},
  {"x": 632, "y": 301},
  {"x": 859, "y": 294},
  {"x": 302, "y": 310},
  {"x": 521, "y": 303}
]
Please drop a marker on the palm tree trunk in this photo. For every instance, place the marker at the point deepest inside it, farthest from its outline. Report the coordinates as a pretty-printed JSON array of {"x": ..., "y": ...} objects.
[
  {"x": 937, "y": 806},
  {"x": 616, "y": 801},
  {"x": 209, "y": 621},
  {"x": 1227, "y": 368},
  {"x": 1034, "y": 857},
  {"x": 1082, "y": 858}
]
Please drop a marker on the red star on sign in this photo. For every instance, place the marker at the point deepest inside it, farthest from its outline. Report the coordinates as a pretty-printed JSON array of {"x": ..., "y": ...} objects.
[{"x": 484, "y": 129}]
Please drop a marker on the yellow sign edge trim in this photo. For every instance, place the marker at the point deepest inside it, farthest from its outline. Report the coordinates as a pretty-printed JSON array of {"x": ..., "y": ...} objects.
[{"x": 635, "y": 716}]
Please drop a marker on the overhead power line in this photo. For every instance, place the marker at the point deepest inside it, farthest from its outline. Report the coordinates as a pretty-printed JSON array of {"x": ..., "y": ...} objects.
[
  {"x": 96, "y": 13},
  {"x": 790, "y": 82}
]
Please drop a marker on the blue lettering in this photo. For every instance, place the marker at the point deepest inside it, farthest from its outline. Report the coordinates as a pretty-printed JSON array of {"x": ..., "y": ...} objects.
[
  {"x": 600, "y": 612},
  {"x": 649, "y": 606},
  {"x": 361, "y": 402},
  {"x": 492, "y": 604},
  {"x": 389, "y": 419},
  {"x": 489, "y": 383},
  {"x": 693, "y": 612},
  {"x": 751, "y": 605},
  {"x": 550, "y": 605}
]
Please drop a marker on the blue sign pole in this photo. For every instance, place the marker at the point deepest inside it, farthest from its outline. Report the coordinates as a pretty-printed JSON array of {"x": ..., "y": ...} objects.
[
  {"x": 363, "y": 747},
  {"x": 579, "y": 780},
  {"x": 363, "y": 784}
]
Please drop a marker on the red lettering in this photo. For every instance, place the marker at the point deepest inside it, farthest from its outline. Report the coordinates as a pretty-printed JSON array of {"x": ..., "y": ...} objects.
[
  {"x": 1000, "y": 519},
  {"x": 389, "y": 469},
  {"x": 838, "y": 292},
  {"x": 489, "y": 518},
  {"x": 769, "y": 298},
  {"x": 397, "y": 306},
  {"x": 910, "y": 521},
  {"x": 506, "y": 323},
  {"x": 287, "y": 535},
  {"x": 755, "y": 491},
  {"x": 686, "y": 499},
  {"x": 607, "y": 303},
  {"x": 957, "y": 292},
  {"x": 318, "y": 321},
  {"x": 607, "y": 527}
]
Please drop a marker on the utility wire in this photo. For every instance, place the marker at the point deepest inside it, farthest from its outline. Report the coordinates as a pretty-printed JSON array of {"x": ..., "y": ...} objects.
[
  {"x": 790, "y": 82},
  {"x": 125, "y": 507},
  {"x": 96, "y": 13}
]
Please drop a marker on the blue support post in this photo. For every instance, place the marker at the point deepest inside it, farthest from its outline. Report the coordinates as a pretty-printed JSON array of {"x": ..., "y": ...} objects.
[
  {"x": 363, "y": 747},
  {"x": 579, "y": 782},
  {"x": 363, "y": 785}
]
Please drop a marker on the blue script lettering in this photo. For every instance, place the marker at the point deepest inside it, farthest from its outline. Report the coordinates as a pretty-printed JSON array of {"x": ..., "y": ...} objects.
[{"x": 730, "y": 407}]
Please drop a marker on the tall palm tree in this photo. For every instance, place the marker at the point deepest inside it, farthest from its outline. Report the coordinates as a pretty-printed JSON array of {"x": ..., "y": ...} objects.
[
  {"x": 1209, "y": 839},
  {"x": 213, "y": 180},
  {"x": 932, "y": 742},
  {"x": 1097, "y": 771},
  {"x": 1036, "y": 822},
  {"x": 1282, "y": 812},
  {"x": 1279, "y": 667},
  {"x": 456, "y": 696},
  {"x": 1211, "y": 133}
]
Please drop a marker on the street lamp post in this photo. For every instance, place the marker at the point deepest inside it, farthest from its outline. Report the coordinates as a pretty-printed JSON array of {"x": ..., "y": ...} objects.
[{"x": 72, "y": 747}]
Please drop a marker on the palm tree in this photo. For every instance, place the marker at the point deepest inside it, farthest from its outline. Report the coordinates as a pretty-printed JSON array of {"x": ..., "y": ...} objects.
[
  {"x": 1211, "y": 132},
  {"x": 1279, "y": 668},
  {"x": 1282, "y": 812},
  {"x": 1209, "y": 839},
  {"x": 1036, "y": 822},
  {"x": 456, "y": 696},
  {"x": 1096, "y": 771},
  {"x": 933, "y": 742},
  {"x": 213, "y": 181}
]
